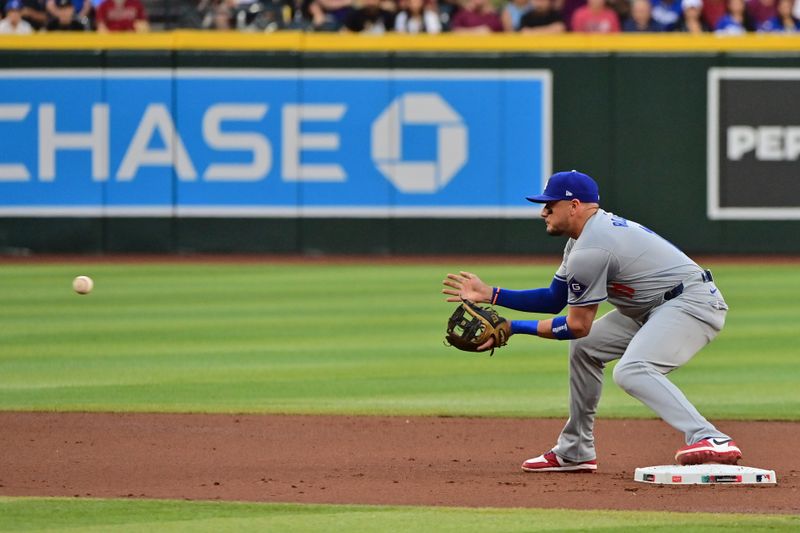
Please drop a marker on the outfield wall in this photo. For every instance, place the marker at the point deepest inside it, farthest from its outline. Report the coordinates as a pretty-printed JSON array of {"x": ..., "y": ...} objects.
[{"x": 294, "y": 143}]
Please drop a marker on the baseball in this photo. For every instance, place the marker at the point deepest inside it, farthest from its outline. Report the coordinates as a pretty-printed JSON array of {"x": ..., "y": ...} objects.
[{"x": 82, "y": 284}]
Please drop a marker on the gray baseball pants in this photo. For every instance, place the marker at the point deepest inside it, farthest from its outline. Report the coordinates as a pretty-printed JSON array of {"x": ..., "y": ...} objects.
[{"x": 672, "y": 334}]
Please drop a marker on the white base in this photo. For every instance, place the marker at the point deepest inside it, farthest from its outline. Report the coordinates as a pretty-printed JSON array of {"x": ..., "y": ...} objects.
[{"x": 707, "y": 474}]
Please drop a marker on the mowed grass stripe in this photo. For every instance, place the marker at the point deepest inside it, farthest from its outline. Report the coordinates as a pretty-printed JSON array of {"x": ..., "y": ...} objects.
[
  {"x": 89, "y": 515},
  {"x": 356, "y": 339}
]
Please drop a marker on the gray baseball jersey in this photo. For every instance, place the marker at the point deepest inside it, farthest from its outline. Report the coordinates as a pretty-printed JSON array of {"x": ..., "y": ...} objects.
[{"x": 623, "y": 262}]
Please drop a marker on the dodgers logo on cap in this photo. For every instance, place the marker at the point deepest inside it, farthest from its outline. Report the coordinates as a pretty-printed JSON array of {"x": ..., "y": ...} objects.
[{"x": 567, "y": 186}]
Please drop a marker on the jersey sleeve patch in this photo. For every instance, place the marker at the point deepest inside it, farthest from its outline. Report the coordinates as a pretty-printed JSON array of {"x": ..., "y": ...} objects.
[
  {"x": 576, "y": 288},
  {"x": 587, "y": 274}
]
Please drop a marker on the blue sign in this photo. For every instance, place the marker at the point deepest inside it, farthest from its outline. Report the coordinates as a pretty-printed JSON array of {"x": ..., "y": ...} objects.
[{"x": 217, "y": 142}]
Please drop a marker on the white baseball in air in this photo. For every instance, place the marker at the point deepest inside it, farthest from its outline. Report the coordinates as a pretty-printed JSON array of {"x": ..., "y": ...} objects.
[{"x": 82, "y": 284}]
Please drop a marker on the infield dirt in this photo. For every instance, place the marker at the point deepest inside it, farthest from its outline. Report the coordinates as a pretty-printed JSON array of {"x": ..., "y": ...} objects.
[{"x": 471, "y": 462}]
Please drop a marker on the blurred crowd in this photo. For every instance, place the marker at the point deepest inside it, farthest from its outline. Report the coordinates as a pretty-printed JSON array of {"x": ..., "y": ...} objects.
[{"x": 404, "y": 16}]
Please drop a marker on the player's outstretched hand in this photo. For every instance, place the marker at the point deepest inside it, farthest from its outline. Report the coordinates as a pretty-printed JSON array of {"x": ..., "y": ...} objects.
[{"x": 466, "y": 286}]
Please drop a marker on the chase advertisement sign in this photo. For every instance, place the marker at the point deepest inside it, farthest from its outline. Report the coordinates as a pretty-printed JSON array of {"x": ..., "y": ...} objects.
[
  {"x": 754, "y": 143},
  {"x": 272, "y": 143}
]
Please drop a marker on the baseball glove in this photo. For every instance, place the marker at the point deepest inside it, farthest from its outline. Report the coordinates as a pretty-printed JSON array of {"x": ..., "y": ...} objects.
[{"x": 471, "y": 325}]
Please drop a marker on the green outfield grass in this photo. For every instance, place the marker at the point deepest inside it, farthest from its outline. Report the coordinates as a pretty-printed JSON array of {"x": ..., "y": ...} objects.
[
  {"x": 342, "y": 339},
  {"x": 320, "y": 338},
  {"x": 49, "y": 514}
]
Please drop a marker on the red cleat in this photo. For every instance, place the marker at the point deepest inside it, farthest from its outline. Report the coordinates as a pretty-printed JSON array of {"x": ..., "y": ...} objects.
[
  {"x": 550, "y": 462},
  {"x": 710, "y": 450}
]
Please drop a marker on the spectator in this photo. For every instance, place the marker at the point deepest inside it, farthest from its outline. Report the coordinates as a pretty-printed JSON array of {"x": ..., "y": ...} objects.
[
  {"x": 693, "y": 17},
  {"x": 82, "y": 11},
  {"x": 713, "y": 10},
  {"x": 641, "y": 19},
  {"x": 33, "y": 11},
  {"x": 237, "y": 14},
  {"x": 299, "y": 14},
  {"x": 476, "y": 16},
  {"x": 13, "y": 23},
  {"x": 595, "y": 17},
  {"x": 783, "y": 21},
  {"x": 256, "y": 15},
  {"x": 121, "y": 15},
  {"x": 621, "y": 7},
  {"x": 217, "y": 14},
  {"x": 736, "y": 21},
  {"x": 329, "y": 15},
  {"x": 512, "y": 14},
  {"x": 447, "y": 10},
  {"x": 62, "y": 17},
  {"x": 419, "y": 16},
  {"x": 567, "y": 8},
  {"x": 371, "y": 17},
  {"x": 760, "y": 11},
  {"x": 542, "y": 18},
  {"x": 667, "y": 13}
]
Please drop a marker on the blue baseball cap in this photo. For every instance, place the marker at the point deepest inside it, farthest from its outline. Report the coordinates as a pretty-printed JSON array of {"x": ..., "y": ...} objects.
[
  {"x": 14, "y": 4},
  {"x": 568, "y": 186}
]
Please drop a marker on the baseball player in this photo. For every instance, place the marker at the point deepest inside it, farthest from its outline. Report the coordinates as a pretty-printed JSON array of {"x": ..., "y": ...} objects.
[{"x": 666, "y": 309}]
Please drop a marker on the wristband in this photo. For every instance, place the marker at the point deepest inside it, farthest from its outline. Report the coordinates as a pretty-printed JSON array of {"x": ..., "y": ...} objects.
[
  {"x": 560, "y": 329},
  {"x": 495, "y": 294},
  {"x": 526, "y": 327}
]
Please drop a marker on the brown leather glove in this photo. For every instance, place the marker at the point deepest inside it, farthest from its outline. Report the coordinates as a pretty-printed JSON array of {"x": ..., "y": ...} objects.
[{"x": 471, "y": 325}]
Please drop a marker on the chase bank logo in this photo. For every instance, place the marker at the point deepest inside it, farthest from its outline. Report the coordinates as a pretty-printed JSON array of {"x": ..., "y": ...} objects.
[
  {"x": 221, "y": 142},
  {"x": 451, "y": 139}
]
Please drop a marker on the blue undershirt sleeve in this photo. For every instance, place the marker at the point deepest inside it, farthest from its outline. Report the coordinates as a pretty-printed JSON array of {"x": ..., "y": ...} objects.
[
  {"x": 525, "y": 327},
  {"x": 546, "y": 300}
]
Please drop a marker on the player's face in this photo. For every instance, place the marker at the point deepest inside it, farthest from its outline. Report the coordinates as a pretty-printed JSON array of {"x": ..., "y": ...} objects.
[{"x": 556, "y": 216}]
